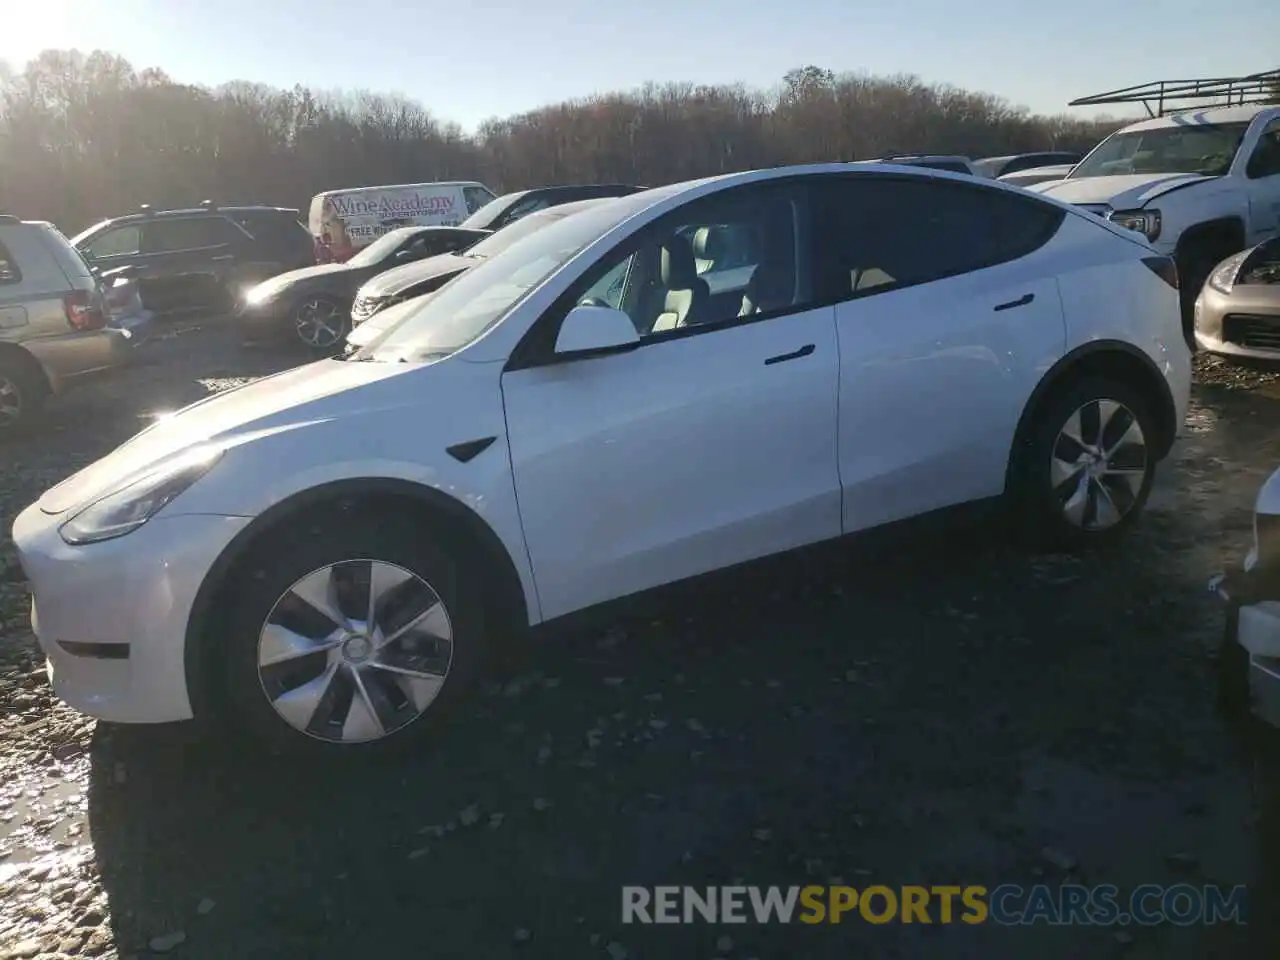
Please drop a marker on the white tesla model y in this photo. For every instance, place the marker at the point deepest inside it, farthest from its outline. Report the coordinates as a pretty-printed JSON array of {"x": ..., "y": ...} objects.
[{"x": 665, "y": 384}]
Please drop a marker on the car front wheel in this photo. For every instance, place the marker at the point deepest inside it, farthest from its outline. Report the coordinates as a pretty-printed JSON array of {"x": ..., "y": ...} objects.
[
  {"x": 345, "y": 636},
  {"x": 320, "y": 323},
  {"x": 1085, "y": 467}
]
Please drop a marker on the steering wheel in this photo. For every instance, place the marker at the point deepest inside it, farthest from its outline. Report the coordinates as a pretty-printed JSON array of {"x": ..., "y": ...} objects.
[{"x": 593, "y": 302}]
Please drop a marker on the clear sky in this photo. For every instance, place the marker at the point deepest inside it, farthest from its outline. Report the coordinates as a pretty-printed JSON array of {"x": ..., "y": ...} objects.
[{"x": 467, "y": 61}]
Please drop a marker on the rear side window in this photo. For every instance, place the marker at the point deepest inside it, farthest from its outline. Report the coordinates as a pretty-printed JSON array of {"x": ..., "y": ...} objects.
[
  {"x": 187, "y": 233},
  {"x": 878, "y": 234},
  {"x": 9, "y": 272},
  {"x": 273, "y": 228}
]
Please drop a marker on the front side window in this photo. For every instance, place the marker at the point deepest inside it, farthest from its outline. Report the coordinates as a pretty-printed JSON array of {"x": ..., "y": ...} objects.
[
  {"x": 729, "y": 258},
  {"x": 117, "y": 242},
  {"x": 475, "y": 198},
  {"x": 185, "y": 233},
  {"x": 475, "y": 301},
  {"x": 1204, "y": 148},
  {"x": 875, "y": 235},
  {"x": 1265, "y": 159}
]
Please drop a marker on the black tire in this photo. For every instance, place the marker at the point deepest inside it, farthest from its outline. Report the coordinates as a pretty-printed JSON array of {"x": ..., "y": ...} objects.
[
  {"x": 1192, "y": 279},
  {"x": 1233, "y": 672},
  {"x": 341, "y": 316},
  {"x": 275, "y": 566},
  {"x": 22, "y": 388},
  {"x": 1038, "y": 508}
]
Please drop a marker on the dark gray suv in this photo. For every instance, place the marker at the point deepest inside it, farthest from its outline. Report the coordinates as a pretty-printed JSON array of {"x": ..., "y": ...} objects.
[{"x": 199, "y": 258}]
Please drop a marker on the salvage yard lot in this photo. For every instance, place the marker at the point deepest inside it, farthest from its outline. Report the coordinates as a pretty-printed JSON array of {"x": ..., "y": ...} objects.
[{"x": 908, "y": 709}]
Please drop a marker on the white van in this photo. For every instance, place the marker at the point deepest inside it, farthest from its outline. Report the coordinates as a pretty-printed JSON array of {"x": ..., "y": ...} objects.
[{"x": 343, "y": 221}]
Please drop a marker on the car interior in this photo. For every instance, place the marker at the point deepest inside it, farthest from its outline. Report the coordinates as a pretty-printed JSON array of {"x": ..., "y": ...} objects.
[{"x": 706, "y": 271}]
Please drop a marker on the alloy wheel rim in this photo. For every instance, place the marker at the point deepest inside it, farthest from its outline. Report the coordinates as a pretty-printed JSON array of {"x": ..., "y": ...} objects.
[
  {"x": 10, "y": 402},
  {"x": 355, "y": 651},
  {"x": 1099, "y": 465},
  {"x": 317, "y": 323}
]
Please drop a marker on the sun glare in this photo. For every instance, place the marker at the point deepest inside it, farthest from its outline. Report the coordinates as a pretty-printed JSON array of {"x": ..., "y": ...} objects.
[{"x": 32, "y": 26}]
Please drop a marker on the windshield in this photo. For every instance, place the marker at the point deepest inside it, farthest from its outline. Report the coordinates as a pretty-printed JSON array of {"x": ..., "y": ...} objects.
[
  {"x": 469, "y": 305},
  {"x": 381, "y": 248},
  {"x": 491, "y": 211},
  {"x": 493, "y": 245},
  {"x": 1204, "y": 148},
  {"x": 85, "y": 234}
]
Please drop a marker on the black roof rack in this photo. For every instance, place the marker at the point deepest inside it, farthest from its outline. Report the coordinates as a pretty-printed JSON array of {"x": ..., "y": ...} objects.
[{"x": 1173, "y": 96}]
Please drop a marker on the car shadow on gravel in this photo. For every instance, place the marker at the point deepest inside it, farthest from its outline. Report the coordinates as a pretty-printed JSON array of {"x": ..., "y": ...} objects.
[{"x": 891, "y": 713}]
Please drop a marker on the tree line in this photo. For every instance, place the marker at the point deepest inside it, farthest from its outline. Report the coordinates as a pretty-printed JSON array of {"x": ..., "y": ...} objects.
[{"x": 88, "y": 136}]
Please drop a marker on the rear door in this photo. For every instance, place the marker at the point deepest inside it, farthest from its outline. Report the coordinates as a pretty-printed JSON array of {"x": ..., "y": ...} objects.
[
  {"x": 948, "y": 313},
  {"x": 188, "y": 262}
]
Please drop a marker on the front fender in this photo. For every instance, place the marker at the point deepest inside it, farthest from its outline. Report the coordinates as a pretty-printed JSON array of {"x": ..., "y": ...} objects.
[{"x": 406, "y": 444}]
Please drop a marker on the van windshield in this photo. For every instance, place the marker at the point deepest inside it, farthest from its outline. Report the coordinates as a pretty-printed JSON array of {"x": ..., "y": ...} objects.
[{"x": 468, "y": 306}]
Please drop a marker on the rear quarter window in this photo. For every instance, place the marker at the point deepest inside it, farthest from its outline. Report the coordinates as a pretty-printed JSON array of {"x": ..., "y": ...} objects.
[{"x": 9, "y": 272}]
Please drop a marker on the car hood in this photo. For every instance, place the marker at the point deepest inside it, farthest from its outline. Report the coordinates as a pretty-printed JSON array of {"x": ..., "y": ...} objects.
[
  {"x": 1120, "y": 192},
  {"x": 381, "y": 321},
  {"x": 391, "y": 282},
  {"x": 271, "y": 404},
  {"x": 321, "y": 273}
]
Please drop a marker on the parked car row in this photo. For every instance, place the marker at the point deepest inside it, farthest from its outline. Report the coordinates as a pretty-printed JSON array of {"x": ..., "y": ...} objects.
[{"x": 315, "y": 305}]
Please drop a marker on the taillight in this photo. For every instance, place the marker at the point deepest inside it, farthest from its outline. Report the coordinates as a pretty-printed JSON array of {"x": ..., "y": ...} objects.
[
  {"x": 84, "y": 310},
  {"x": 1164, "y": 268}
]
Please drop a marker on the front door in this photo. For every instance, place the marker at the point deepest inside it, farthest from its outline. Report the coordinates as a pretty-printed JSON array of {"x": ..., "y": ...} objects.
[
  {"x": 187, "y": 262},
  {"x": 1262, "y": 174},
  {"x": 711, "y": 443}
]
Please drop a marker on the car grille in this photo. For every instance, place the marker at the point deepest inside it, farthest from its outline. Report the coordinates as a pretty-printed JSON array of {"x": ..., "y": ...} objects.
[{"x": 1249, "y": 330}]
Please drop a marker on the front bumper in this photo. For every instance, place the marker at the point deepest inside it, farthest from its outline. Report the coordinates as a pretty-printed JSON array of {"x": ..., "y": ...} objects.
[
  {"x": 1243, "y": 323},
  {"x": 1255, "y": 626},
  {"x": 112, "y": 617},
  {"x": 272, "y": 320}
]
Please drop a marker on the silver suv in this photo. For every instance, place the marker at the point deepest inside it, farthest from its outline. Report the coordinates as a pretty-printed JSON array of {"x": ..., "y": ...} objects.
[{"x": 52, "y": 319}]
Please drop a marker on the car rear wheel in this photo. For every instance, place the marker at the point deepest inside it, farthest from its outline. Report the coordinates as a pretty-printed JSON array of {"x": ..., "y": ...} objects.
[
  {"x": 21, "y": 394},
  {"x": 1086, "y": 464},
  {"x": 320, "y": 323},
  {"x": 347, "y": 637}
]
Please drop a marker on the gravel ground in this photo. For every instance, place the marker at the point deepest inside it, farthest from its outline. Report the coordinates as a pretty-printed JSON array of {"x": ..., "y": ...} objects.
[{"x": 883, "y": 712}]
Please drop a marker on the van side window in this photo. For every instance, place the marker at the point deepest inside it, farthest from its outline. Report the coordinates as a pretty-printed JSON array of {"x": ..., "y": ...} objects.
[{"x": 9, "y": 272}]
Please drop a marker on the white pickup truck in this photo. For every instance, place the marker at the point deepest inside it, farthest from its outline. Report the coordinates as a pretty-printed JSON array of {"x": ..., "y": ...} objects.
[{"x": 1200, "y": 185}]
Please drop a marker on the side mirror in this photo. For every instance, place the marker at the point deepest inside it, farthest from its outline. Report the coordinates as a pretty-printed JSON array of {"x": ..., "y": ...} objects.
[{"x": 592, "y": 329}]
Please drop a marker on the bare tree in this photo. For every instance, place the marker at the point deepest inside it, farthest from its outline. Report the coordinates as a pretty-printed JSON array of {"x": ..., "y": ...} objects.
[{"x": 87, "y": 136}]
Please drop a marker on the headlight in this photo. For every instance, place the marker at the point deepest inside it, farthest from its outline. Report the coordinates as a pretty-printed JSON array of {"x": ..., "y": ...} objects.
[
  {"x": 1223, "y": 277},
  {"x": 260, "y": 294},
  {"x": 131, "y": 506},
  {"x": 1145, "y": 222}
]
